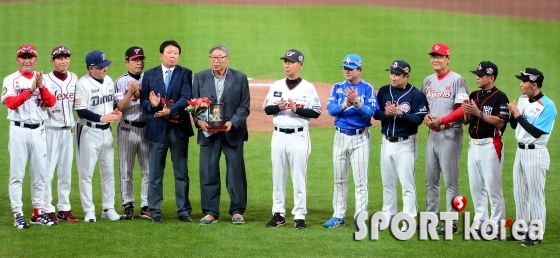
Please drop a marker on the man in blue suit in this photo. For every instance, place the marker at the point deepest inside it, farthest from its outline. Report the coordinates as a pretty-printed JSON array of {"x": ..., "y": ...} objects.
[
  {"x": 222, "y": 84},
  {"x": 164, "y": 94}
]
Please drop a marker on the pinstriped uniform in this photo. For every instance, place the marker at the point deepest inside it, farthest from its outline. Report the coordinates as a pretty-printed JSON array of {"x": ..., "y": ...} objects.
[
  {"x": 60, "y": 142},
  {"x": 531, "y": 165},
  {"x": 351, "y": 144},
  {"x": 131, "y": 143}
]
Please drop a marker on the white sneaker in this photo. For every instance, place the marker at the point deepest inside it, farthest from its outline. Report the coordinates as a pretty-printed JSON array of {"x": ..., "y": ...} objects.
[
  {"x": 90, "y": 216},
  {"x": 110, "y": 214}
]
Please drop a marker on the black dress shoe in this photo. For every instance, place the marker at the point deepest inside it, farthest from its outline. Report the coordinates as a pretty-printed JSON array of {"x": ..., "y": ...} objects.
[
  {"x": 157, "y": 219},
  {"x": 185, "y": 218}
]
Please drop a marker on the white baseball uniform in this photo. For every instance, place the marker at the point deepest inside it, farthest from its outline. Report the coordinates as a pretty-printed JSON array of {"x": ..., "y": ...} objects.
[
  {"x": 94, "y": 141},
  {"x": 443, "y": 148},
  {"x": 131, "y": 141},
  {"x": 351, "y": 144},
  {"x": 291, "y": 145},
  {"x": 486, "y": 156},
  {"x": 28, "y": 141},
  {"x": 532, "y": 159},
  {"x": 60, "y": 141}
]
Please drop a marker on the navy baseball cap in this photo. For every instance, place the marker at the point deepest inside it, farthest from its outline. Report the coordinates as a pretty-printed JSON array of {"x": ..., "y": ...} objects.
[
  {"x": 486, "y": 68},
  {"x": 400, "y": 67},
  {"x": 352, "y": 61},
  {"x": 293, "y": 55},
  {"x": 133, "y": 52},
  {"x": 60, "y": 50},
  {"x": 531, "y": 75},
  {"x": 97, "y": 58}
]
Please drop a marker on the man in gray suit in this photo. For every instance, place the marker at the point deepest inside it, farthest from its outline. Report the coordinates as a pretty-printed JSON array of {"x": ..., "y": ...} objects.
[{"x": 230, "y": 87}]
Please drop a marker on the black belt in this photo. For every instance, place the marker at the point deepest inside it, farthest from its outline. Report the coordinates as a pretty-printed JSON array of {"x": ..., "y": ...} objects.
[
  {"x": 526, "y": 146},
  {"x": 65, "y": 127},
  {"x": 351, "y": 131},
  {"x": 396, "y": 139},
  {"x": 288, "y": 130},
  {"x": 134, "y": 123},
  {"x": 98, "y": 126},
  {"x": 30, "y": 126}
]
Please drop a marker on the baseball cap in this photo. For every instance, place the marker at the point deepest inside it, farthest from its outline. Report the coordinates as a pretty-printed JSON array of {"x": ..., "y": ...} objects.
[
  {"x": 97, "y": 58},
  {"x": 60, "y": 50},
  {"x": 26, "y": 49},
  {"x": 293, "y": 55},
  {"x": 133, "y": 52},
  {"x": 440, "y": 49},
  {"x": 532, "y": 75},
  {"x": 486, "y": 68},
  {"x": 352, "y": 61},
  {"x": 400, "y": 67}
]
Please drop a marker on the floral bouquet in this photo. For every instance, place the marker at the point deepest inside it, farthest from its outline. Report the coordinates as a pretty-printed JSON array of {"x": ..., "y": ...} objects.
[{"x": 198, "y": 106}]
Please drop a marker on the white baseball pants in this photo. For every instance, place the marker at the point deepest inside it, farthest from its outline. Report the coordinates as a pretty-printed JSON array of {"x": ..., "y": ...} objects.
[{"x": 60, "y": 146}]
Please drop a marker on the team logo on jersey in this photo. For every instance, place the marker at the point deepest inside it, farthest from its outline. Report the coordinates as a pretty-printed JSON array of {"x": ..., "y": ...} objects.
[
  {"x": 64, "y": 96},
  {"x": 405, "y": 107},
  {"x": 447, "y": 87},
  {"x": 94, "y": 90},
  {"x": 4, "y": 90},
  {"x": 339, "y": 91},
  {"x": 278, "y": 94},
  {"x": 96, "y": 100},
  {"x": 316, "y": 100},
  {"x": 487, "y": 110},
  {"x": 432, "y": 94}
]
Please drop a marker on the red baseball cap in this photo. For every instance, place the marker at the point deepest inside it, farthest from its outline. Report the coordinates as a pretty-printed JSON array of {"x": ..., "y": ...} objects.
[
  {"x": 440, "y": 49},
  {"x": 26, "y": 49}
]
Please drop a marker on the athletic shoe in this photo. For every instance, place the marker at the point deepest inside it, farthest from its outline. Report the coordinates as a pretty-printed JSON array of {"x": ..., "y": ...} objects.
[
  {"x": 42, "y": 219},
  {"x": 128, "y": 211},
  {"x": 110, "y": 214},
  {"x": 529, "y": 242},
  {"x": 442, "y": 229},
  {"x": 90, "y": 216},
  {"x": 334, "y": 222},
  {"x": 67, "y": 215},
  {"x": 207, "y": 220},
  {"x": 300, "y": 224},
  {"x": 52, "y": 216},
  {"x": 19, "y": 221},
  {"x": 276, "y": 221},
  {"x": 237, "y": 220},
  {"x": 145, "y": 212}
]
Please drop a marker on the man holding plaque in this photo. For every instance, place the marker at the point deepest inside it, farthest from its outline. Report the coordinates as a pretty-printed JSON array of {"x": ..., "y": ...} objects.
[{"x": 224, "y": 130}]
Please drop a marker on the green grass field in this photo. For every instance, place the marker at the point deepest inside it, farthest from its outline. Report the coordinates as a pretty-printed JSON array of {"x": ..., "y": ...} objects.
[{"x": 257, "y": 37}]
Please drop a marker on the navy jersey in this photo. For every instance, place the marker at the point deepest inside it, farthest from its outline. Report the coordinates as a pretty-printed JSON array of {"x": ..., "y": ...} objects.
[
  {"x": 491, "y": 102},
  {"x": 414, "y": 107},
  {"x": 352, "y": 118}
]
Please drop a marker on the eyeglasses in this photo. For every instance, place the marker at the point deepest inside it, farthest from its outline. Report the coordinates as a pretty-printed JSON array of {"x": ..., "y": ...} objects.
[
  {"x": 437, "y": 57},
  {"x": 217, "y": 58},
  {"x": 532, "y": 77},
  {"x": 97, "y": 67},
  {"x": 137, "y": 60}
]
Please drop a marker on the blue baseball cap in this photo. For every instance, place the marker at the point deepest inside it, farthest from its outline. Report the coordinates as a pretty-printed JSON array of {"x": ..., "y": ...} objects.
[
  {"x": 97, "y": 58},
  {"x": 400, "y": 67},
  {"x": 352, "y": 61}
]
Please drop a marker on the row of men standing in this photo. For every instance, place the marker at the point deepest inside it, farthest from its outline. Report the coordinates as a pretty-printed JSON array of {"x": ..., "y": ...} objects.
[
  {"x": 442, "y": 105},
  {"x": 152, "y": 121}
]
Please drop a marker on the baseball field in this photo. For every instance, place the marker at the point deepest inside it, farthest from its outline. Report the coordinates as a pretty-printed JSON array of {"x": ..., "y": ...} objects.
[{"x": 513, "y": 34}]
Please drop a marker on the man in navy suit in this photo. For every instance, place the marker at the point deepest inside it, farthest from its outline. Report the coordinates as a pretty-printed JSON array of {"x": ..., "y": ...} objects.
[
  {"x": 164, "y": 94},
  {"x": 222, "y": 84}
]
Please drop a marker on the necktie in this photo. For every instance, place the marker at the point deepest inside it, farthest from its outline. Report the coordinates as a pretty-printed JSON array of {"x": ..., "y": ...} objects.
[{"x": 167, "y": 79}]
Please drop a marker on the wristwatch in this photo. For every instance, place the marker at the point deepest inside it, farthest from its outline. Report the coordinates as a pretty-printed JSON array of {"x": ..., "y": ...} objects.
[
  {"x": 480, "y": 114},
  {"x": 355, "y": 103},
  {"x": 400, "y": 115}
]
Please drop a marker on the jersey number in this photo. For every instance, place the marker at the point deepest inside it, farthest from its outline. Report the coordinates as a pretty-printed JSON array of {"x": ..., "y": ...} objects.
[{"x": 40, "y": 102}]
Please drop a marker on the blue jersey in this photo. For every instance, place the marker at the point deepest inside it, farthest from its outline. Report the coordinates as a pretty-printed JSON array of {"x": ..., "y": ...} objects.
[
  {"x": 352, "y": 118},
  {"x": 414, "y": 107}
]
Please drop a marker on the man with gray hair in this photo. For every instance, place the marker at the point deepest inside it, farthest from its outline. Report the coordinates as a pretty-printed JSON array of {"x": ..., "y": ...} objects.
[{"x": 222, "y": 84}]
